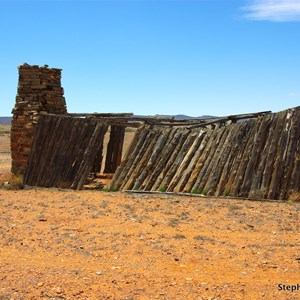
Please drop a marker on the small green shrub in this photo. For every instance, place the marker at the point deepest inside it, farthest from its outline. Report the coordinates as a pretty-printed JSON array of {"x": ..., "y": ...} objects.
[
  {"x": 163, "y": 189},
  {"x": 226, "y": 193},
  {"x": 110, "y": 189},
  {"x": 196, "y": 191}
]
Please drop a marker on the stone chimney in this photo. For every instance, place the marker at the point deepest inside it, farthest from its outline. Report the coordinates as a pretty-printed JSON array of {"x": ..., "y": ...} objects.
[{"x": 39, "y": 90}]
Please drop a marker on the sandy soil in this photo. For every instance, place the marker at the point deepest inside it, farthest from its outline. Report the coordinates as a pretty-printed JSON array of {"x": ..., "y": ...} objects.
[
  {"x": 5, "y": 159},
  {"x": 62, "y": 244}
]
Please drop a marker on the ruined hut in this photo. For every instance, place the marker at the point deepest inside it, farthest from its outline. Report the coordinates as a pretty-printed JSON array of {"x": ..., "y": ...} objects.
[{"x": 250, "y": 155}]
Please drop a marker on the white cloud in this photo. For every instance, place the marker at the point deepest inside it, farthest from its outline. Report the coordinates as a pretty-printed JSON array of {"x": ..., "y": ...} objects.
[
  {"x": 273, "y": 10},
  {"x": 294, "y": 94}
]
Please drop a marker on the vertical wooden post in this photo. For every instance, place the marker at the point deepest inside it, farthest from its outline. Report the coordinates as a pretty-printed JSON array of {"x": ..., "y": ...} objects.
[
  {"x": 114, "y": 148},
  {"x": 98, "y": 160}
]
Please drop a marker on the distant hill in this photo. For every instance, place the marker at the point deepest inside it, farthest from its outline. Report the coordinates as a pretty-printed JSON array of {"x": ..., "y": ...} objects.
[
  {"x": 185, "y": 117},
  {"x": 5, "y": 120}
]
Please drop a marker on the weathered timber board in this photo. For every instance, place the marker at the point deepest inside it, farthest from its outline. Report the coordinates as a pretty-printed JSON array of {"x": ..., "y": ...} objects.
[
  {"x": 63, "y": 151},
  {"x": 256, "y": 158}
]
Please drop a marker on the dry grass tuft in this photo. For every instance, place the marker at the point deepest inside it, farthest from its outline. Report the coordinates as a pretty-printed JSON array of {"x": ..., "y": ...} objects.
[
  {"x": 10, "y": 181},
  {"x": 295, "y": 197}
]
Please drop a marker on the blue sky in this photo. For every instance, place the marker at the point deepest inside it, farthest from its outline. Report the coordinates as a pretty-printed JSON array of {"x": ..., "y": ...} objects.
[{"x": 157, "y": 57}]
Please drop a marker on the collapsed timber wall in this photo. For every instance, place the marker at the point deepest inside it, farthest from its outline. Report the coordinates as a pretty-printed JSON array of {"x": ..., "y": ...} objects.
[
  {"x": 63, "y": 151},
  {"x": 39, "y": 91},
  {"x": 257, "y": 158},
  {"x": 66, "y": 149}
]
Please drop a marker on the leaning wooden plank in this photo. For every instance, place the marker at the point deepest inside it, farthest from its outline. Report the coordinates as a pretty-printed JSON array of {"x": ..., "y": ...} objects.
[
  {"x": 227, "y": 159},
  {"x": 184, "y": 158},
  {"x": 203, "y": 150},
  {"x": 290, "y": 151},
  {"x": 170, "y": 167},
  {"x": 176, "y": 123},
  {"x": 134, "y": 163},
  {"x": 143, "y": 157},
  {"x": 143, "y": 160},
  {"x": 161, "y": 161},
  {"x": 248, "y": 116},
  {"x": 199, "y": 146},
  {"x": 247, "y": 169},
  {"x": 113, "y": 184},
  {"x": 124, "y": 124},
  {"x": 87, "y": 142},
  {"x": 31, "y": 172},
  {"x": 43, "y": 149},
  {"x": 89, "y": 155},
  {"x": 49, "y": 150},
  {"x": 185, "y": 169},
  {"x": 77, "y": 142},
  {"x": 48, "y": 159},
  {"x": 97, "y": 165},
  {"x": 163, "y": 167},
  {"x": 209, "y": 180},
  {"x": 278, "y": 168},
  {"x": 251, "y": 155},
  {"x": 270, "y": 159},
  {"x": 275, "y": 181},
  {"x": 266, "y": 131},
  {"x": 107, "y": 115},
  {"x": 239, "y": 146},
  {"x": 243, "y": 157},
  {"x": 131, "y": 158},
  {"x": 152, "y": 158},
  {"x": 218, "y": 163},
  {"x": 188, "y": 139},
  {"x": 206, "y": 161},
  {"x": 62, "y": 156},
  {"x": 294, "y": 183},
  {"x": 211, "y": 122}
]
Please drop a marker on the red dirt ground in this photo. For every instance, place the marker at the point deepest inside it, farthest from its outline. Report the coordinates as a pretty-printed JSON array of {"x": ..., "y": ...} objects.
[{"x": 62, "y": 244}]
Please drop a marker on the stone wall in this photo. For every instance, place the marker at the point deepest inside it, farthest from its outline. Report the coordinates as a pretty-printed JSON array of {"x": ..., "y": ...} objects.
[{"x": 39, "y": 91}]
